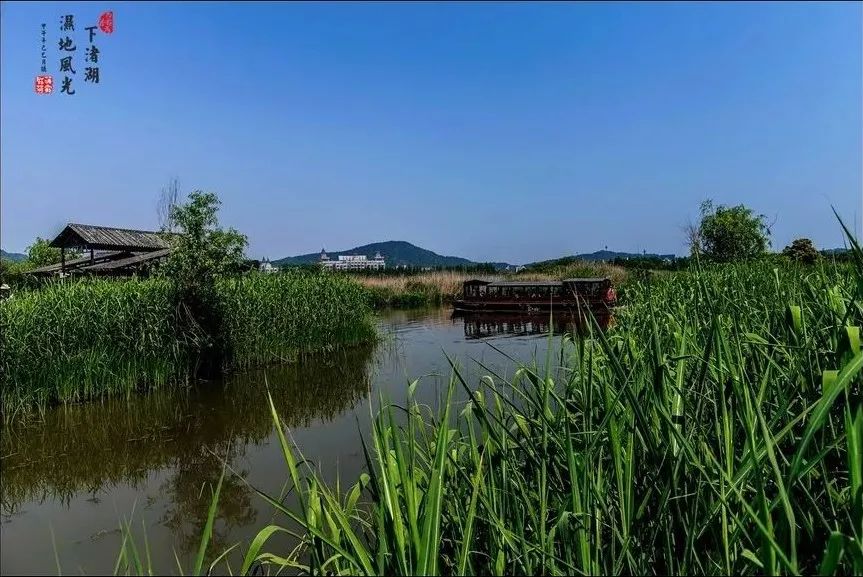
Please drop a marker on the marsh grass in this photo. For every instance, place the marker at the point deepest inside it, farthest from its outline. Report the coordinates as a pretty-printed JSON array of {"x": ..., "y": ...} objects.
[
  {"x": 441, "y": 287},
  {"x": 275, "y": 318},
  {"x": 564, "y": 268},
  {"x": 416, "y": 290},
  {"x": 74, "y": 341},
  {"x": 716, "y": 429}
]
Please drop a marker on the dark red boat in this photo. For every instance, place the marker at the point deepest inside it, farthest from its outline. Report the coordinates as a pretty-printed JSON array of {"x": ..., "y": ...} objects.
[{"x": 480, "y": 295}]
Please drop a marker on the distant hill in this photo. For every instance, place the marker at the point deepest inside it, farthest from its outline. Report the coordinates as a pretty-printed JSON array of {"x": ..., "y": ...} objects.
[
  {"x": 13, "y": 256},
  {"x": 396, "y": 253},
  {"x": 600, "y": 255}
]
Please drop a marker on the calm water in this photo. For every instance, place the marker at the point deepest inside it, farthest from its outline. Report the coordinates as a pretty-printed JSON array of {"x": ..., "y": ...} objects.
[{"x": 82, "y": 470}]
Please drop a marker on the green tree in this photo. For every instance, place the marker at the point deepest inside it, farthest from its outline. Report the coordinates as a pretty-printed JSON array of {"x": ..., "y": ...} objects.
[
  {"x": 801, "y": 250},
  {"x": 41, "y": 254},
  {"x": 202, "y": 250},
  {"x": 728, "y": 234}
]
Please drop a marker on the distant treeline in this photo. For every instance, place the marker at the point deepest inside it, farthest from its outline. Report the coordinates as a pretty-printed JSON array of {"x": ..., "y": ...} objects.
[
  {"x": 637, "y": 263},
  {"x": 652, "y": 263},
  {"x": 670, "y": 264},
  {"x": 479, "y": 268}
]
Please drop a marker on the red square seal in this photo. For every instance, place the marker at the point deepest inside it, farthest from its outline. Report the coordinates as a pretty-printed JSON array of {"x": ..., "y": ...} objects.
[{"x": 44, "y": 84}]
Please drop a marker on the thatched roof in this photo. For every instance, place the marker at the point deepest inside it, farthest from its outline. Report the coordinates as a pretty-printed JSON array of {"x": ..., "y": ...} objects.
[{"x": 108, "y": 238}]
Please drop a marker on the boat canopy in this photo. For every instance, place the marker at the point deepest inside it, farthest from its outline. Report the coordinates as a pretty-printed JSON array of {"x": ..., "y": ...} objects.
[{"x": 537, "y": 283}]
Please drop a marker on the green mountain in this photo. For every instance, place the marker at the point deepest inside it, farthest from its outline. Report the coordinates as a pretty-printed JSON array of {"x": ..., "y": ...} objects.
[
  {"x": 13, "y": 256},
  {"x": 396, "y": 253}
]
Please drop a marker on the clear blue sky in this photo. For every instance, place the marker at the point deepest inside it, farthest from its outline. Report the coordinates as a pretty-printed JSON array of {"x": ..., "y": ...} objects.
[{"x": 507, "y": 132}]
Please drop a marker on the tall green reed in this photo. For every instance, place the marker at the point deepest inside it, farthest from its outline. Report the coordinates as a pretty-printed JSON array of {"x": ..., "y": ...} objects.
[
  {"x": 73, "y": 341},
  {"x": 716, "y": 429},
  {"x": 269, "y": 318}
]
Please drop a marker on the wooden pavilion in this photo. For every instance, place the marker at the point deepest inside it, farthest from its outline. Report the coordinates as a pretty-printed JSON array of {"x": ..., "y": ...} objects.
[{"x": 112, "y": 251}]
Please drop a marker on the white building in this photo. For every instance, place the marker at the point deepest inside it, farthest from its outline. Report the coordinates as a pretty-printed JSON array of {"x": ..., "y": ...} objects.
[
  {"x": 352, "y": 262},
  {"x": 268, "y": 268}
]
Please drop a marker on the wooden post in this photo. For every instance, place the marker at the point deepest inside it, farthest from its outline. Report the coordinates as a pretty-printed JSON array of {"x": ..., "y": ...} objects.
[
  {"x": 91, "y": 256},
  {"x": 62, "y": 260}
]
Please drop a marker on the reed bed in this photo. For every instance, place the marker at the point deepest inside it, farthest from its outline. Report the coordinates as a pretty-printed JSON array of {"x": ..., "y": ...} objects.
[
  {"x": 271, "y": 318},
  {"x": 439, "y": 287},
  {"x": 74, "y": 341},
  {"x": 447, "y": 282},
  {"x": 576, "y": 269},
  {"x": 716, "y": 429}
]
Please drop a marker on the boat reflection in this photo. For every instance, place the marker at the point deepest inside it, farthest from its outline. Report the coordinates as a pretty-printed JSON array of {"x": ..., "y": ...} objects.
[{"x": 488, "y": 325}]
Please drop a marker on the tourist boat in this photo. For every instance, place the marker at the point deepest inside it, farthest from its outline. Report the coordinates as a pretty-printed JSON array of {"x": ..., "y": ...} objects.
[{"x": 480, "y": 295}]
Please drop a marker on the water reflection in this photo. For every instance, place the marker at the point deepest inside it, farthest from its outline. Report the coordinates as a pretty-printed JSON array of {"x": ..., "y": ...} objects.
[
  {"x": 91, "y": 447},
  {"x": 81, "y": 470},
  {"x": 486, "y": 325}
]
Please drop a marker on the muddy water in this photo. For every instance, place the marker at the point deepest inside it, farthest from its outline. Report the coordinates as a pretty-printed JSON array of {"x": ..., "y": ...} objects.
[{"x": 71, "y": 478}]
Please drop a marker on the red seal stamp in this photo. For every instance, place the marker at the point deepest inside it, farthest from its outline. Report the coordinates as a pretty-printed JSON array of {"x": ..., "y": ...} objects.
[
  {"x": 106, "y": 22},
  {"x": 44, "y": 84}
]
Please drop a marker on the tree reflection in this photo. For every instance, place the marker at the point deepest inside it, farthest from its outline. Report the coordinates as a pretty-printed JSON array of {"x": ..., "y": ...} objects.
[{"x": 86, "y": 448}]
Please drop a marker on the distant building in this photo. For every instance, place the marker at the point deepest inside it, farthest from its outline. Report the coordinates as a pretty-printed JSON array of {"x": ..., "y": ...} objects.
[
  {"x": 267, "y": 267},
  {"x": 352, "y": 262}
]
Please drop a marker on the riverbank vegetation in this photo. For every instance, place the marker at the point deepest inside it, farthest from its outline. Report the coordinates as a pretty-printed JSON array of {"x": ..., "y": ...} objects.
[
  {"x": 73, "y": 341},
  {"x": 419, "y": 289},
  {"x": 269, "y": 318},
  {"x": 442, "y": 287},
  {"x": 715, "y": 429}
]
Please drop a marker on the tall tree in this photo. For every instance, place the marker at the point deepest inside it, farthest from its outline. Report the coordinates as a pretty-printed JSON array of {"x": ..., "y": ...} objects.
[
  {"x": 727, "y": 234},
  {"x": 202, "y": 250}
]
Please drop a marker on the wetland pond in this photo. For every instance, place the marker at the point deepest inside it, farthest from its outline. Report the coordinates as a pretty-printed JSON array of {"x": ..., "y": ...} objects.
[{"x": 71, "y": 477}]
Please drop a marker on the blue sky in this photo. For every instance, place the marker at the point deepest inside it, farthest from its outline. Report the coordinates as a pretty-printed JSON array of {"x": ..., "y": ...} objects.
[{"x": 510, "y": 132}]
